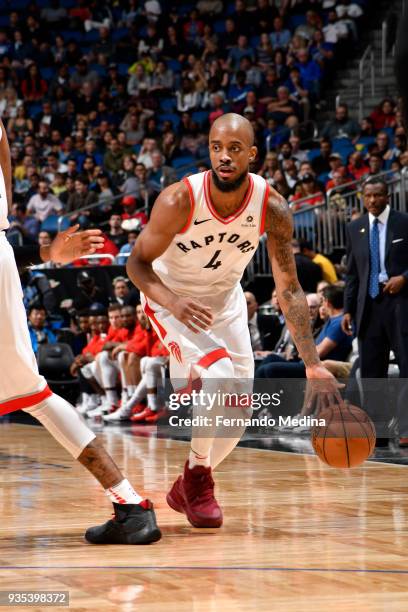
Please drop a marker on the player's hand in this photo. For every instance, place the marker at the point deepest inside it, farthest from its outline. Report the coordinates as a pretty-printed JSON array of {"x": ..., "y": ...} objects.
[
  {"x": 192, "y": 313},
  {"x": 347, "y": 324},
  {"x": 322, "y": 388},
  {"x": 71, "y": 244},
  {"x": 394, "y": 284}
]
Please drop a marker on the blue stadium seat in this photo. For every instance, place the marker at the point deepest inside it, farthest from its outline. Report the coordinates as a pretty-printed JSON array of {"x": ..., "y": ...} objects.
[
  {"x": 200, "y": 117},
  {"x": 4, "y": 21},
  {"x": 313, "y": 153},
  {"x": 182, "y": 173},
  {"x": 178, "y": 162},
  {"x": 174, "y": 65},
  {"x": 34, "y": 108},
  {"x": 254, "y": 41},
  {"x": 123, "y": 69},
  {"x": 47, "y": 73},
  {"x": 167, "y": 105},
  {"x": 136, "y": 148},
  {"x": 50, "y": 224},
  {"x": 92, "y": 36},
  {"x": 219, "y": 26},
  {"x": 72, "y": 35},
  {"x": 295, "y": 21},
  {"x": 119, "y": 33}
]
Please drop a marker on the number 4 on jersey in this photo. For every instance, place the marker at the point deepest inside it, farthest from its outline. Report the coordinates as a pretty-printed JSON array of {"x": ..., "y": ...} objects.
[{"x": 213, "y": 264}]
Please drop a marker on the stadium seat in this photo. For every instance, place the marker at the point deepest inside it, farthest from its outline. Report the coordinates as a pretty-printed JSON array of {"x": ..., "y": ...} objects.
[
  {"x": 119, "y": 33},
  {"x": 200, "y": 117},
  {"x": 50, "y": 224},
  {"x": 167, "y": 105},
  {"x": 313, "y": 153},
  {"x": 174, "y": 65},
  {"x": 179, "y": 162},
  {"x": 47, "y": 73}
]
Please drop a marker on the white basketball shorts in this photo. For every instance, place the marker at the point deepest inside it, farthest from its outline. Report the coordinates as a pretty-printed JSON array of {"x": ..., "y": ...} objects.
[{"x": 227, "y": 337}]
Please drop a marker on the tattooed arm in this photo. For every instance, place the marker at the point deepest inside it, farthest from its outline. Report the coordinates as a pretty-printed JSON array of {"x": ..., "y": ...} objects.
[{"x": 279, "y": 230}]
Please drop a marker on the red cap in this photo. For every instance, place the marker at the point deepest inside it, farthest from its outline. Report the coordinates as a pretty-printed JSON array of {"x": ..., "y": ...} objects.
[{"x": 129, "y": 201}]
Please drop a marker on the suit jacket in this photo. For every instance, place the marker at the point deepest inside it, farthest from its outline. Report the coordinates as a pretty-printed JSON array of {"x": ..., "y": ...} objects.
[
  {"x": 269, "y": 328},
  {"x": 358, "y": 262}
]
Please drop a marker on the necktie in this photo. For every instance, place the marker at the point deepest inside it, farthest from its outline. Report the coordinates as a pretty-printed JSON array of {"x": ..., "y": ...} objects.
[{"x": 373, "y": 288}]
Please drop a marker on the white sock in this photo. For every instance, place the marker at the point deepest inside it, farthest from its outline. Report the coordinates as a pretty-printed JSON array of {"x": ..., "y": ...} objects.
[
  {"x": 123, "y": 493},
  {"x": 138, "y": 394},
  {"x": 131, "y": 389},
  {"x": 152, "y": 402},
  {"x": 196, "y": 459},
  {"x": 111, "y": 396}
]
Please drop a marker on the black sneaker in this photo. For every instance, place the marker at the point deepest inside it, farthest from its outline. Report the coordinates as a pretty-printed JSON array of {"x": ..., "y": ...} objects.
[{"x": 132, "y": 524}]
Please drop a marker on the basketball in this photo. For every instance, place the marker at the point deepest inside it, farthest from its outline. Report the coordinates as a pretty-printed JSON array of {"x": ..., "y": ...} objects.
[{"x": 347, "y": 439}]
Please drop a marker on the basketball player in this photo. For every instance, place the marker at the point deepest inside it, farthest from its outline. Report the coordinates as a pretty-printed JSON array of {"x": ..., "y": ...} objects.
[
  {"x": 22, "y": 388},
  {"x": 188, "y": 263}
]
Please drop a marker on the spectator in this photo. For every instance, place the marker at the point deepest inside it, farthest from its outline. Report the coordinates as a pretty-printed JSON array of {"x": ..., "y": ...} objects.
[
  {"x": 133, "y": 210},
  {"x": 139, "y": 82},
  {"x": 309, "y": 273},
  {"x": 242, "y": 49},
  {"x": 43, "y": 203},
  {"x": 113, "y": 158},
  {"x": 33, "y": 86},
  {"x": 357, "y": 166},
  {"x": 80, "y": 198},
  {"x": 342, "y": 126},
  {"x": 88, "y": 293},
  {"x": 116, "y": 234},
  {"x": 308, "y": 192},
  {"x": 127, "y": 248},
  {"x": 328, "y": 269},
  {"x": 280, "y": 38},
  {"x": 40, "y": 332},
  {"x": 384, "y": 115},
  {"x": 310, "y": 72},
  {"x": 188, "y": 98},
  {"x": 375, "y": 165}
]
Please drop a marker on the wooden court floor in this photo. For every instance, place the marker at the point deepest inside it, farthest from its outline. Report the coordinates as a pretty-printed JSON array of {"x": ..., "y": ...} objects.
[{"x": 297, "y": 535}]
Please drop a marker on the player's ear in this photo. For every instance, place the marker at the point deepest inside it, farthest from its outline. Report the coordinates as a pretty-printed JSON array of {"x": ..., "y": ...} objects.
[{"x": 253, "y": 154}]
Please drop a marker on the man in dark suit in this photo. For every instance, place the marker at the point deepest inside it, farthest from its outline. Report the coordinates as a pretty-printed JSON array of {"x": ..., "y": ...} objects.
[{"x": 376, "y": 297}]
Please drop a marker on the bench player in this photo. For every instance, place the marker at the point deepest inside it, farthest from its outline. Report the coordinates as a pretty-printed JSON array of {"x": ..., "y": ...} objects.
[{"x": 188, "y": 263}]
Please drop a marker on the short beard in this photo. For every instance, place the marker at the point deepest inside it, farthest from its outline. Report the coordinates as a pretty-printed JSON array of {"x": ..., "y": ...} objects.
[{"x": 228, "y": 186}]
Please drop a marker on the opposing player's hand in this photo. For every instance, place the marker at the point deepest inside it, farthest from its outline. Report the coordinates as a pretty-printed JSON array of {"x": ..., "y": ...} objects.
[
  {"x": 347, "y": 324},
  {"x": 192, "y": 313},
  {"x": 322, "y": 388},
  {"x": 71, "y": 244}
]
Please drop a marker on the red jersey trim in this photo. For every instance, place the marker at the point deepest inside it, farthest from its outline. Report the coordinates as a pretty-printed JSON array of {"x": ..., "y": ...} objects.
[
  {"x": 238, "y": 212},
  {"x": 19, "y": 403},
  {"x": 264, "y": 208},
  {"x": 210, "y": 358},
  {"x": 192, "y": 206},
  {"x": 152, "y": 316}
]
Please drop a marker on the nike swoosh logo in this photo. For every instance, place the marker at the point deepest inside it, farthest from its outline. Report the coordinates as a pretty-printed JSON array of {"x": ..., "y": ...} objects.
[{"x": 199, "y": 222}]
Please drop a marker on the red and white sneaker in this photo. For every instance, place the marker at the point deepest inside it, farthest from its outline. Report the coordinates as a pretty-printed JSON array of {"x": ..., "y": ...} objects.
[
  {"x": 138, "y": 408},
  {"x": 142, "y": 416},
  {"x": 155, "y": 415},
  {"x": 193, "y": 495}
]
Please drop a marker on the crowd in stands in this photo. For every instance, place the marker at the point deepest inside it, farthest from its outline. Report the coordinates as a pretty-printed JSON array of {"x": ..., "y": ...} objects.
[
  {"x": 108, "y": 99},
  {"x": 107, "y": 102}
]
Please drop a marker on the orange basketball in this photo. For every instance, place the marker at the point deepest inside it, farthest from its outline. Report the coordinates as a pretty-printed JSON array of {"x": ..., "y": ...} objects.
[{"x": 347, "y": 439}]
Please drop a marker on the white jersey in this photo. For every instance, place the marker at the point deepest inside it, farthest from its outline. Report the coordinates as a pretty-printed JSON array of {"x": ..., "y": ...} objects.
[
  {"x": 3, "y": 199},
  {"x": 209, "y": 256}
]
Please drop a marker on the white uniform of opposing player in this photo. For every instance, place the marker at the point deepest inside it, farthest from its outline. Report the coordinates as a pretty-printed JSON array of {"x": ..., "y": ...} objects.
[
  {"x": 21, "y": 385},
  {"x": 206, "y": 260}
]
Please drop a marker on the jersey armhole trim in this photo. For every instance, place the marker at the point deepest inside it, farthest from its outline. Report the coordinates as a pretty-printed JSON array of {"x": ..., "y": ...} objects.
[
  {"x": 264, "y": 209},
  {"x": 192, "y": 206}
]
